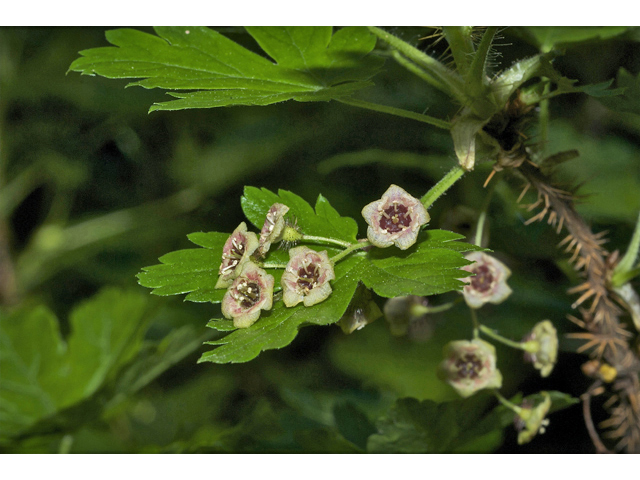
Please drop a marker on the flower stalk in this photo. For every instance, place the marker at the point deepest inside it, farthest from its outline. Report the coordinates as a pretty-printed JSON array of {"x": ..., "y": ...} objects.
[{"x": 442, "y": 186}]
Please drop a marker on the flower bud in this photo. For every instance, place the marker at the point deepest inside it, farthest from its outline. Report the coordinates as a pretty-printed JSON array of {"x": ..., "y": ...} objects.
[
  {"x": 360, "y": 312},
  {"x": 401, "y": 312},
  {"x": 541, "y": 347}
]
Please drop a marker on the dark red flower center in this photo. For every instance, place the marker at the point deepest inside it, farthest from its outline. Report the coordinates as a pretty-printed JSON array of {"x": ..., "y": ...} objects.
[
  {"x": 483, "y": 280},
  {"x": 469, "y": 366},
  {"x": 394, "y": 218},
  {"x": 248, "y": 294},
  {"x": 308, "y": 276}
]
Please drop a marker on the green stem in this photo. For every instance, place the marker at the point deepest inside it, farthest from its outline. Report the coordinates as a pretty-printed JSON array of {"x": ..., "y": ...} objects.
[
  {"x": 626, "y": 264},
  {"x": 65, "y": 444},
  {"x": 442, "y": 186},
  {"x": 417, "y": 310},
  {"x": 459, "y": 39},
  {"x": 490, "y": 333},
  {"x": 543, "y": 117},
  {"x": 480, "y": 228},
  {"x": 15, "y": 191},
  {"x": 507, "y": 403},
  {"x": 482, "y": 218},
  {"x": 420, "y": 72},
  {"x": 445, "y": 76},
  {"x": 335, "y": 241},
  {"x": 474, "y": 319},
  {"x": 399, "y": 112},
  {"x": 476, "y": 76},
  {"x": 354, "y": 247},
  {"x": 273, "y": 265}
]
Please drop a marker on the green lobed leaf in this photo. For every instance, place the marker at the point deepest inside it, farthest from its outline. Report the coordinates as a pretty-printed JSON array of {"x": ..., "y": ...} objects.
[
  {"x": 324, "y": 221},
  {"x": 312, "y": 64},
  {"x": 159, "y": 357},
  {"x": 430, "y": 267},
  {"x": 412, "y": 426},
  {"x": 548, "y": 38},
  {"x": 41, "y": 374},
  {"x": 468, "y": 425},
  {"x": 192, "y": 271},
  {"x": 629, "y": 101}
]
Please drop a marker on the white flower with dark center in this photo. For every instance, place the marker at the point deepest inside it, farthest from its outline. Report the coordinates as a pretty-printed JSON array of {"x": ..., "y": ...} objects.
[
  {"x": 306, "y": 277},
  {"x": 273, "y": 227},
  {"x": 235, "y": 254},
  {"x": 250, "y": 292},
  {"x": 470, "y": 366},
  {"x": 395, "y": 219},
  {"x": 489, "y": 285}
]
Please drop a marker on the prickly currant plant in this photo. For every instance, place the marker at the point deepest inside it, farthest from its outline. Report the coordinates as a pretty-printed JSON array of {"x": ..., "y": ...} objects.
[{"x": 305, "y": 265}]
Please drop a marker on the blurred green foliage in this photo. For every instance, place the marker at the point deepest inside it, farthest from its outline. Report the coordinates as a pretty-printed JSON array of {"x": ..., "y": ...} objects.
[{"x": 92, "y": 188}]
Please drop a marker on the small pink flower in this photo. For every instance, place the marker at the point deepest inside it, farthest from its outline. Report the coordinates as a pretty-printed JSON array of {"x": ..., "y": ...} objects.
[
  {"x": 395, "y": 219},
  {"x": 273, "y": 227},
  {"x": 470, "y": 366},
  {"x": 489, "y": 283},
  {"x": 249, "y": 293},
  {"x": 235, "y": 254},
  {"x": 306, "y": 278}
]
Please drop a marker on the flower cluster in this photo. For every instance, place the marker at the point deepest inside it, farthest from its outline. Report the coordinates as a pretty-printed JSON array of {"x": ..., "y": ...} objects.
[{"x": 249, "y": 287}]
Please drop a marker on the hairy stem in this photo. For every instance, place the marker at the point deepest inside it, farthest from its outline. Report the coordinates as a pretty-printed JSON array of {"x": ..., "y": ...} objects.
[
  {"x": 476, "y": 76},
  {"x": 334, "y": 241},
  {"x": 451, "y": 80},
  {"x": 347, "y": 251},
  {"x": 399, "y": 112},
  {"x": 442, "y": 186}
]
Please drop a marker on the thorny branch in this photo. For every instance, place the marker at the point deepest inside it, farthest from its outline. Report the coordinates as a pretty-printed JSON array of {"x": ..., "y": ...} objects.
[{"x": 605, "y": 335}]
